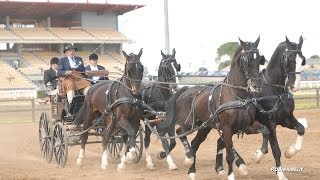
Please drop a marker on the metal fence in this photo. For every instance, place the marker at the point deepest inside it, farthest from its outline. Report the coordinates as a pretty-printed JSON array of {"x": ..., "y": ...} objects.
[{"x": 26, "y": 110}]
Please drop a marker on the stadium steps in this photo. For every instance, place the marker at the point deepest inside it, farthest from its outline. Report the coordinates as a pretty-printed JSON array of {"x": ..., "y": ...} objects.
[{"x": 13, "y": 32}]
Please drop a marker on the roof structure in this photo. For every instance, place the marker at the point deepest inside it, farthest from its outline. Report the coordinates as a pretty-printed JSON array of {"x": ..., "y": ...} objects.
[{"x": 27, "y": 10}]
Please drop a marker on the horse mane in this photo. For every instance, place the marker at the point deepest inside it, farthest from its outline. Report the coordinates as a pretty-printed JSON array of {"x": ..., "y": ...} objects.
[
  {"x": 278, "y": 52},
  {"x": 235, "y": 56}
]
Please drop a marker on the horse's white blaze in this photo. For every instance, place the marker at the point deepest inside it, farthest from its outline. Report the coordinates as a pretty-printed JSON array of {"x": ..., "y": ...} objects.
[
  {"x": 231, "y": 176},
  {"x": 171, "y": 164},
  {"x": 192, "y": 176},
  {"x": 81, "y": 155},
  {"x": 104, "y": 160},
  {"x": 175, "y": 73},
  {"x": 296, "y": 86},
  {"x": 281, "y": 176}
]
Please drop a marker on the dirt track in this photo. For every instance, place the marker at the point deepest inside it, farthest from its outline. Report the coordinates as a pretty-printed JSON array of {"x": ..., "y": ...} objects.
[{"x": 20, "y": 157}]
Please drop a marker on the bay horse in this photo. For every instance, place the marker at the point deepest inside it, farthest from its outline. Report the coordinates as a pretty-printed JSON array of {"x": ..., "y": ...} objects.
[
  {"x": 196, "y": 107},
  {"x": 156, "y": 96},
  {"x": 119, "y": 102},
  {"x": 281, "y": 75}
]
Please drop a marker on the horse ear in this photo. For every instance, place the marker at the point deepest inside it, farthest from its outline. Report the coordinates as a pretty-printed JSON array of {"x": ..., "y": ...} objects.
[
  {"x": 162, "y": 54},
  {"x": 300, "y": 40},
  {"x": 174, "y": 52},
  {"x": 256, "y": 43},
  {"x": 125, "y": 55},
  {"x": 288, "y": 43},
  {"x": 140, "y": 53},
  {"x": 242, "y": 43}
]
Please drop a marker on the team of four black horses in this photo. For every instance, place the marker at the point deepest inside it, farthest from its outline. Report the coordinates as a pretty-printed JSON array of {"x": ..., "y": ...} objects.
[{"x": 247, "y": 101}]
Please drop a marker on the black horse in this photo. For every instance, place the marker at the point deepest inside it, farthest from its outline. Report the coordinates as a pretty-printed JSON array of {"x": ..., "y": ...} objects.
[
  {"x": 120, "y": 104},
  {"x": 226, "y": 106},
  {"x": 156, "y": 96},
  {"x": 277, "y": 105},
  {"x": 281, "y": 75}
]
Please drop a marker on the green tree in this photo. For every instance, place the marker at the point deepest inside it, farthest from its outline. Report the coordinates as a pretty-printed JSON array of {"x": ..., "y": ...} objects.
[
  {"x": 315, "y": 57},
  {"x": 227, "y": 49}
]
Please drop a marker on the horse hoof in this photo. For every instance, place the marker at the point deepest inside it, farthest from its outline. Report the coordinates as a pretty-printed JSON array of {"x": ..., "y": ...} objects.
[
  {"x": 79, "y": 163},
  {"x": 161, "y": 155},
  {"x": 291, "y": 151},
  {"x": 258, "y": 156},
  {"x": 281, "y": 176},
  {"x": 173, "y": 167},
  {"x": 243, "y": 169},
  {"x": 151, "y": 167},
  {"x": 121, "y": 167},
  {"x": 104, "y": 167},
  {"x": 222, "y": 173},
  {"x": 192, "y": 176},
  {"x": 188, "y": 161}
]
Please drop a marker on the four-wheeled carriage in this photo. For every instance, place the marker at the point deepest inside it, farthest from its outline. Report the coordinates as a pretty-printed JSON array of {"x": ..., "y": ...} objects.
[{"x": 57, "y": 134}]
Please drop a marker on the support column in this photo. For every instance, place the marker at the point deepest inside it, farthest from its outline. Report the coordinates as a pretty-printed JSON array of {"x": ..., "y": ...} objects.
[
  {"x": 7, "y": 22},
  {"x": 48, "y": 21},
  {"x": 50, "y": 47},
  {"x": 61, "y": 49},
  {"x": 19, "y": 49},
  {"x": 102, "y": 49},
  {"x": 8, "y": 46}
]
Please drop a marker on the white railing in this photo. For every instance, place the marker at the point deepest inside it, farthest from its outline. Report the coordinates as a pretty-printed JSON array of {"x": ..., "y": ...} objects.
[{"x": 17, "y": 94}]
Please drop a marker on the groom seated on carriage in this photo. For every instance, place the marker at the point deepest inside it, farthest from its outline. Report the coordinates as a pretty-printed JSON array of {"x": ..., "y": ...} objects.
[{"x": 71, "y": 69}]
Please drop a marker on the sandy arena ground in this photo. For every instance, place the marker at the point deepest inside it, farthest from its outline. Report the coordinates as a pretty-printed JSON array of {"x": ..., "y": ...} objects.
[{"x": 20, "y": 157}]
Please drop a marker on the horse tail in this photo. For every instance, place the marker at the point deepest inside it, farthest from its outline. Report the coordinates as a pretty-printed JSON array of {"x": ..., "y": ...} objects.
[
  {"x": 171, "y": 110},
  {"x": 85, "y": 109}
]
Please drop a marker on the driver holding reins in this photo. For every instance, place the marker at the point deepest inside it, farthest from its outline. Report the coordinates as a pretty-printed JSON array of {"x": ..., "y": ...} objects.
[{"x": 70, "y": 68}]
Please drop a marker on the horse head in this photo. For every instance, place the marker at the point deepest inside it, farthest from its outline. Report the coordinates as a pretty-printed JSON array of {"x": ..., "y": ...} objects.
[
  {"x": 168, "y": 69},
  {"x": 133, "y": 72},
  {"x": 249, "y": 60},
  {"x": 292, "y": 61}
]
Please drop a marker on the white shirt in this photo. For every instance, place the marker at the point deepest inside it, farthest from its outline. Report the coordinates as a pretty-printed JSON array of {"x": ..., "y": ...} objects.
[
  {"x": 72, "y": 62},
  {"x": 94, "y": 68}
]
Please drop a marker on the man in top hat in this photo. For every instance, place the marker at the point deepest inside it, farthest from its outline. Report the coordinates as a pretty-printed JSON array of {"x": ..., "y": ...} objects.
[
  {"x": 93, "y": 66},
  {"x": 50, "y": 77},
  {"x": 71, "y": 70}
]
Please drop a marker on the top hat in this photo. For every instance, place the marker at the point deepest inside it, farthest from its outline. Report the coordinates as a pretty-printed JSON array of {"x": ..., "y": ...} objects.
[
  {"x": 69, "y": 46},
  {"x": 93, "y": 57}
]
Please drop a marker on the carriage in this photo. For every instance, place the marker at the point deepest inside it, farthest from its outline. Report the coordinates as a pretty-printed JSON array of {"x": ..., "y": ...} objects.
[{"x": 59, "y": 131}]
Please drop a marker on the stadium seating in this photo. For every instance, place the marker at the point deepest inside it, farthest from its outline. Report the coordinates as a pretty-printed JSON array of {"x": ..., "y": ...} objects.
[
  {"x": 106, "y": 33},
  {"x": 34, "y": 34},
  {"x": 12, "y": 79},
  {"x": 7, "y": 34},
  {"x": 71, "y": 34}
]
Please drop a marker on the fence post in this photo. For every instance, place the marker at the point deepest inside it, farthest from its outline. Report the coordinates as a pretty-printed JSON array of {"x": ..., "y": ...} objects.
[
  {"x": 318, "y": 98},
  {"x": 33, "y": 110}
]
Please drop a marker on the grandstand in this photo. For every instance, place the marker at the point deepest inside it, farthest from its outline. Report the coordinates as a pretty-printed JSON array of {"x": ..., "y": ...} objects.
[{"x": 34, "y": 32}]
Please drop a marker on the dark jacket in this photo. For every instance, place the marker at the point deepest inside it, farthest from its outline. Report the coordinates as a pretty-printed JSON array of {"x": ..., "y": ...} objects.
[
  {"x": 99, "y": 68},
  {"x": 65, "y": 66},
  {"x": 50, "y": 76}
]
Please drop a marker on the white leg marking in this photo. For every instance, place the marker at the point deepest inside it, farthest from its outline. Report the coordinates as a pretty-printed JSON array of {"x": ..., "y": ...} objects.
[
  {"x": 293, "y": 149},
  {"x": 231, "y": 176},
  {"x": 171, "y": 164},
  {"x": 122, "y": 165},
  {"x": 258, "y": 156},
  {"x": 281, "y": 176},
  {"x": 131, "y": 155},
  {"x": 150, "y": 164},
  {"x": 81, "y": 155},
  {"x": 243, "y": 169},
  {"x": 104, "y": 160},
  {"x": 188, "y": 161},
  {"x": 192, "y": 176}
]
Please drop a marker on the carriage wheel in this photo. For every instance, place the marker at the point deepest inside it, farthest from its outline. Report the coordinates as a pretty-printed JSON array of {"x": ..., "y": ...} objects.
[
  {"x": 114, "y": 149},
  {"x": 60, "y": 144},
  {"x": 139, "y": 145},
  {"x": 45, "y": 138}
]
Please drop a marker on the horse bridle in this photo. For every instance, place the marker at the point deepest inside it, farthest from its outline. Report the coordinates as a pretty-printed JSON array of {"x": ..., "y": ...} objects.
[
  {"x": 284, "y": 62},
  {"x": 166, "y": 66},
  {"x": 128, "y": 64},
  {"x": 245, "y": 63}
]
